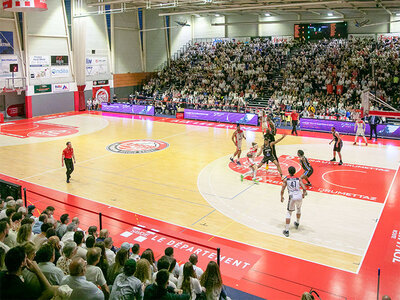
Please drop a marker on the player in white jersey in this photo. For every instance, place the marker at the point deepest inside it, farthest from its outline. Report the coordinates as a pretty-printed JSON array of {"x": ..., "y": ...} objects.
[
  {"x": 293, "y": 185},
  {"x": 237, "y": 138},
  {"x": 360, "y": 126},
  {"x": 251, "y": 155}
]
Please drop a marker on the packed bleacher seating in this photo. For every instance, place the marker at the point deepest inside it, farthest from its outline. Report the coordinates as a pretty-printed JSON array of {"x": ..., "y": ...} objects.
[
  {"x": 323, "y": 78},
  {"x": 63, "y": 261}
]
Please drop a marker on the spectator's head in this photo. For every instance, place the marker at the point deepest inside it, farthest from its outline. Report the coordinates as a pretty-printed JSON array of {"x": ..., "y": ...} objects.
[
  {"x": 19, "y": 203},
  {"x": 64, "y": 219},
  {"x": 17, "y": 218},
  {"x": 50, "y": 232},
  {"x": 45, "y": 227},
  {"x": 69, "y": 249},
  {"x": 50, "y": 210},
  {"x": 292, "y": 170},
  {"x": 148, "y": 254},
  {"x": 24, "y": 233},
  {"x": 93, "y": 231},
  {"x": 121, "y": 257},
  {"x": 55, "y": 242},
  {"x": 163, "y": 263},
  {"x": 93, "y": 256},
  {"x": 143, "y": 270},
  {"x": 188, "y": 270},
  {"x": 28, "y": 221},
  {"x": 30, "y": 250},
  {"x": 2, "y": 257},
  {"x": 77, "y": 267},
  {"x": 43, "y": 218},
  {"x": 108, "y": 243},
  {"x": 71, "y": 227},
  {"x": 45, "y": 253},
  {"x": 169, "y": 252},
  {"x": 11, "y": 204},
  {"x": 76, "y": 221},
  {"x": 10, "y": 212},
  {"x": 129, "y": 267},
  {"x": 193, "y": 259},
  {"x": 172, "y": 264},
  {"x": 135, "y": 249},
  {"x": 386, "y": 298},
  {"x": 15, "y": 260},
  {"x": 211, "y": 277},
  {"x": 162, "y": 278},
  {"x": 90, "y": 241},
  {"x": 79, "y": 237},
  {"x": 103, "y": 249},
  {"x": 103, "y": 234},
  {"x": 4, "y": 228},
  {"x": 300, "y": 153},
  {"x": 23, "y": 210}
]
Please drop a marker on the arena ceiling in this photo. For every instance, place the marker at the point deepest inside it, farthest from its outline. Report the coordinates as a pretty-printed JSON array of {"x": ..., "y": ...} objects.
[{"x": 274, "y": 7}]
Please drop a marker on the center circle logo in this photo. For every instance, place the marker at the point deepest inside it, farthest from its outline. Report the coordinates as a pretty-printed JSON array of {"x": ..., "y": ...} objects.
[{"x": 137, "y": 146}]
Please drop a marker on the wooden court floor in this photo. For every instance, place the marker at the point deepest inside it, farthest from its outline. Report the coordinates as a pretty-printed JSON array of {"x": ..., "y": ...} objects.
[{"x": 167, "y": 184}]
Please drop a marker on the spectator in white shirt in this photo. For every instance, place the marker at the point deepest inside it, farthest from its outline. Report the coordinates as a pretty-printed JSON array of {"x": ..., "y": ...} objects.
[
  {"x": 193, "y": 259},
  {"x": 45, "y": 257},
  {"x": 82, "y": 289},
  {"x": 79, "y": 239},
  {"x": 189, "y": 283},
  {"x": 135, "y": 252},
  {"x": 39, "y": 239},
  {"x": 69, "y": 235},
  {"x": 4, "y": 228},
  {"x": 126, "y": 285},
  {"x": 108, "y": 243},
  {"x": 94, "y": 273},
  {"x": 170, "y": 253},
  {"x": 164, "y": 264}
]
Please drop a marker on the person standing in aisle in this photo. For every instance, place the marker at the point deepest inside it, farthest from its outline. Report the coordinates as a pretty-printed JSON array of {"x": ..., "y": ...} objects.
[
  {"x": 295, "y": 119},
  {"x": 67, "y": 157}
]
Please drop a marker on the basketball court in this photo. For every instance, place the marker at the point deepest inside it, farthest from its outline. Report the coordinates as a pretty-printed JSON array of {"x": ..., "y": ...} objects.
[{"x": 172, "y": 179}]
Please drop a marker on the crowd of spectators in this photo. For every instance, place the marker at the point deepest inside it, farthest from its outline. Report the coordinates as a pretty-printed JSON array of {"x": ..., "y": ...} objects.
[
  {"x": 320, "y": 78},
  {"x": 42, "y": 257}
]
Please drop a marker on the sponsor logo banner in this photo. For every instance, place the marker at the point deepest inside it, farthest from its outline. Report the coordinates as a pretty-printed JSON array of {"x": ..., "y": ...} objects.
[
  {"x": 101, "y": 93},
  {"x": 137, "y": 146},
  {"x": 100, "y": 82},
  {"x": 39, "y": 61},
  {"x": 6, "y": 42},
  {"x": 16, "y": 110},
  {"x": 42, "y": 88},
  {"x": 5, "y": 62},
  {"x": 60, "y": 71},
  {"x": 60, "y": 87},
  {"x": 60, "y": 60},
  {"x": 221, "y": 116},
  {"x": 128, "y": 109},
  {"x": 96, "y": 66}
]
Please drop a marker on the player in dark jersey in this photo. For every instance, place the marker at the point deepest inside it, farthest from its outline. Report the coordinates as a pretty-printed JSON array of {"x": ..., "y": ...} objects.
[
  {"x": 267, "y": 151},
  {"x": 337, "y": 146},
  {"x": 308, "y": 169}
]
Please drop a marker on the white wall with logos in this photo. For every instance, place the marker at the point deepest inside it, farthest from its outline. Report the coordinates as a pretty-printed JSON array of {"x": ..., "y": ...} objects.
[{"x": 127, "y": 56}]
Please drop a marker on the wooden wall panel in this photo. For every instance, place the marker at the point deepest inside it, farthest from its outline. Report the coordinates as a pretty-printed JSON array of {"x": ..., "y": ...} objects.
[{"x": 130, "y": 79}]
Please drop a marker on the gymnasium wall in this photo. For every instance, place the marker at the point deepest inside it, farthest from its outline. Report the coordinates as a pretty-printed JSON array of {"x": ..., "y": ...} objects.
[
  {"x": 126, "y": 56},
  {"x": 180, "y": 35},
  {"x": 242, "y": 30},
  {"x": 395, "y": 27},
  {"x": 203, "y": 29},
  {"x": 155, "y": 47},
  {"x": 50, "y": 103}
]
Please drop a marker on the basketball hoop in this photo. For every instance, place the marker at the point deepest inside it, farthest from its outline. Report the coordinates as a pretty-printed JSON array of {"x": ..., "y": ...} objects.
[{"x": 19, "y": 91}]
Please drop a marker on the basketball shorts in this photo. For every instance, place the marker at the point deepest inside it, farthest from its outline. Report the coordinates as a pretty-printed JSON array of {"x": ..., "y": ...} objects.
[
  {"x": 239, "y": 144},
  {"x": 338, "y": 147},
  {"x": 309, "y": 172},
  {"x": 267, "y": 159},
  {"x": 360, "y": 132},
  {"x": 250, "y": 161},
  {"x": 295, "y": 202}
]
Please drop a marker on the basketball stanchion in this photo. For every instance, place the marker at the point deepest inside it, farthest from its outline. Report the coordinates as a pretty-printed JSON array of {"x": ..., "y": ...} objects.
[
  {"x": 100, "y": 221},
  {"x": 26, "y": 200},
  {"x": 218, "y": 256},
  {"x": 379, "y": 281}
]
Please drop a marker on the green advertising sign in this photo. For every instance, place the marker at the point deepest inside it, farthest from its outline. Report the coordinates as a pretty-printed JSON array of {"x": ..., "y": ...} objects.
[{"x": 43, "y": 88}]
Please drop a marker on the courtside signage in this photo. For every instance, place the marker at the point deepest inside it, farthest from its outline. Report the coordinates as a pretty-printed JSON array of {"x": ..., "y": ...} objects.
[
  {"x": 137, "y": 146},
  {"x": 42, "y": 88},
  {"x": 221, "y": 116}
]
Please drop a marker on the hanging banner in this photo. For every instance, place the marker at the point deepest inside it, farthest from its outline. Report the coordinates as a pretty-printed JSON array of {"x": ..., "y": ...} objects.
[
  {"x": 24, "y": 5},
  {"x": 5, "y": 62},
  {"x": 60, "y": 60},
  {"x": 96, "y": 66},
  {"x": 6, "y": 42},
  {"x": 101, "y": 93},
  {"x": 39, "y": 67}
]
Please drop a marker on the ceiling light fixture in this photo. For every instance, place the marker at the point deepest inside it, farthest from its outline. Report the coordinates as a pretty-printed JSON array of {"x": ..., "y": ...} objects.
[
  {"x": 267, "y": 14},
  {"x": 217, "y": 15},
  {"x": 330, "y": 14}
]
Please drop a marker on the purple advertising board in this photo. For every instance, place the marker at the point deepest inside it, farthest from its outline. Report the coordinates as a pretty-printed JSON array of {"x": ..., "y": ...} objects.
[
  {"x": 147, "y": 110},
  {"x": 346, "y": 127},
  {"x": 221, "y": 116}
]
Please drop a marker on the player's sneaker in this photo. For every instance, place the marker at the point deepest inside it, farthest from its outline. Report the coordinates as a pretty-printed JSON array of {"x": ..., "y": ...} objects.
[
  {"x": 308, "y": 184},
  {"x": 366, "y": 144},
  {"x": 241, "y": 177},
  {"x": 296, "y": 225},
  {"x": 266, "y": 167},
  {"x": 286, "y": 233},
  {"x": 354, "y": 143},
  {"x": 333, "y": 159},
  {"x": 232, "y": 160},
  {"x": 255, "y": 180},
  {"x": 340, "y": 163},
  {"x": 238, "y": 163}
]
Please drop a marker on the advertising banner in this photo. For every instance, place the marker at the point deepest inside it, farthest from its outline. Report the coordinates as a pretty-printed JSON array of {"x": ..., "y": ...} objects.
[
  {"x": 101, "y": 93},
  {"x": 16, "y": 110},
  {"x": 6, "y": 42},
  {"x": 5, "y": 62},
  {"x": 24, "y": 5},
  {"x": 59, "y": 60},
  {"x": 346, "y": 127},
  {"x": 39, "y": 67},
  {"x": 221, "y": 116},
  {"x": 60, "y": 71},
  {"x": 147, "y": 110},
  {"x": 60, "y": 87},
  {"x": 42, "y": 88},
  {"x": 96, "y": 65}
]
